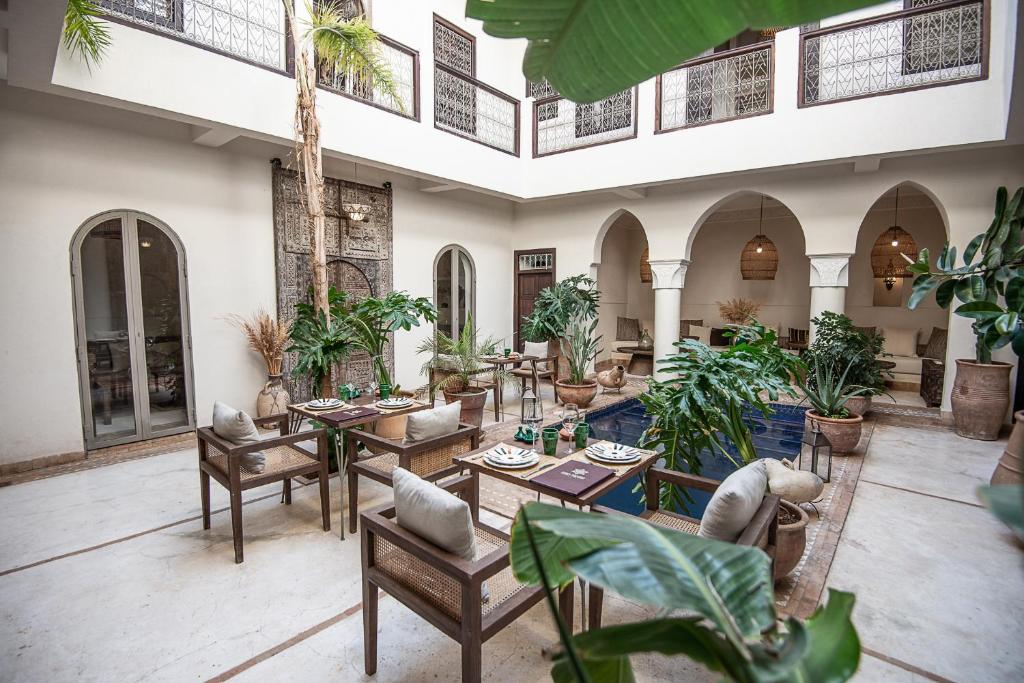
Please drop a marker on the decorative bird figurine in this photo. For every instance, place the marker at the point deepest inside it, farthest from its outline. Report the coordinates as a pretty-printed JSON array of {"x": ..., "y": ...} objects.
[{"x": 612, "y": 378}]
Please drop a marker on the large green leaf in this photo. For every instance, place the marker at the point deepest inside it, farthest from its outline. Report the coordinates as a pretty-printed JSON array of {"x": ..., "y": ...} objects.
[
  {"x": 591, "y": 49},
  {"x": 1007, "y": 503},
  {"x": 834, "y": 650},
  {"x": 728, "y": 584}
]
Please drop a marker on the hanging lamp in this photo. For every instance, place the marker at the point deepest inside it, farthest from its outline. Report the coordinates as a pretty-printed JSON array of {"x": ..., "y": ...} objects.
[
  {"x": 356, "y": 211},
  {"x": 759, "y": 259},
  {"x": 645, "y": 266},
  {"x": 888, "y": 249}
]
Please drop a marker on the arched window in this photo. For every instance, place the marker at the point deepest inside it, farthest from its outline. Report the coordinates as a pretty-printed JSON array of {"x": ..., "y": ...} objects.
[
  {"x": 454, "y": 289},
  {"x": 132, "y": 331}
]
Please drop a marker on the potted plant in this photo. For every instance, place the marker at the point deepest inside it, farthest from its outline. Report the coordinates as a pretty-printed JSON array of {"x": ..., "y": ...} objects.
[
  {"x": 268, "y": 338},
  {"x": 459, "y": 361},
  {"x": 552, "y": 310},
  {"x": 828, "y": 396},
  {"x": 320, "y": 344},
  {"x": 838, "y": 344},
  {"x": 579, "y": 347},
  {"x": 790, "y": 539},
  {"x": 990, "y": 288}
]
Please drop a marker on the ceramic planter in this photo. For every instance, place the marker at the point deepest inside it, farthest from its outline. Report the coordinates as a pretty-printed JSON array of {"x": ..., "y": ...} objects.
[
  {"x": 790, "y": 540},
  {"x": 273, "y": 399},
  {"x": 473, "y": 400},
  {"x": 580, "y": 394},
  {"x": 859, "y": 404},
  {"x": 1008, "y": 471},
  {"x": 843, "y": 433},
  {"x": 981, "y": 396}
]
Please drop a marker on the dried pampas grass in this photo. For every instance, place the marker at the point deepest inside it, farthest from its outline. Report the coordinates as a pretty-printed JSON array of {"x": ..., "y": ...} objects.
[
  {"x": 266, "y": 336},
  {"x": 738, "y": 311}
]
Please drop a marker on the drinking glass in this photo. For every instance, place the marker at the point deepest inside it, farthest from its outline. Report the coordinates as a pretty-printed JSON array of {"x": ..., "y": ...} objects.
[
  {"x": 549, "y": 435},
  {"x": 570, "y": 416},
  {"x": 372, "y": 386}
]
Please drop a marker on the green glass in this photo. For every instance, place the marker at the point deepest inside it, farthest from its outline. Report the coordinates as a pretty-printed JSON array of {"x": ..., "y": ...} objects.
[
  {"x": 508, "y": 352},
  {"x": 550, "y": 438},
  {"x": 343, "y": 393},
  {"x": 582, "y": 434},
  {"x": 385, "y": 392}
]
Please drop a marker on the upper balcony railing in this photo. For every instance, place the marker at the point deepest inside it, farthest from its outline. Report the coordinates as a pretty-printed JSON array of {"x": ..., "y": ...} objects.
[
  {"x": 560, "y": 125},
  {"x": 719, "y": 87},
  {"x": 404, "y": 64},
  {"x": 470, "y": 109},
  {"x": 935, "y": 42},
  {"x": 250, "y": 30}
]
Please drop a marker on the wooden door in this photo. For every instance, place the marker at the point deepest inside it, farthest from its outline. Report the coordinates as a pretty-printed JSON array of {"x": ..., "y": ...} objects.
[{"x": 534, "y": 270}]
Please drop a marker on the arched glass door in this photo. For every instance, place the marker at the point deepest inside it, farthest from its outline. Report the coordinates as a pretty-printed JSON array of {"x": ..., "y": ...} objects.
[
  {"x": 454, "y": 289},
  {"x": 131, "y": 321}
]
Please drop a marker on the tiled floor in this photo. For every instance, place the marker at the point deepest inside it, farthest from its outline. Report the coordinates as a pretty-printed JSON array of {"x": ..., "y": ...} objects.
[{"x": 106, "y": 574}]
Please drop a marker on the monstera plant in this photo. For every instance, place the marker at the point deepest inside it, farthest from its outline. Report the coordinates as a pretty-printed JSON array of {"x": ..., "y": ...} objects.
[
  {"x": 715, "y": 601},
  {"x": 989, "y": 287}
]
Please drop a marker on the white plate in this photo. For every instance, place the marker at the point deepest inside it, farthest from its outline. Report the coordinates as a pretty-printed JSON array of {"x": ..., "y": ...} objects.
[
  {"x": 530, "y": 462},
  {"x": 613, "y": 452},
  {"x": 394, "y": 403},
  {"x": 512, "y": 455},
  {"x": 323, "y": 405},
  {"x": 608, "y": 461}
]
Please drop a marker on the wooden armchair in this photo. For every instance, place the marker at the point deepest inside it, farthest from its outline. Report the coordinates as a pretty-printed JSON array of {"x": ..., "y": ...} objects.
[
  {"x": 221, "y": 461},
  {"x": 534, "y": 375},
  {"x": 443, "y": 588},
  {"x": 430, "y": 459},
  {"x": 760, "y": 532}
]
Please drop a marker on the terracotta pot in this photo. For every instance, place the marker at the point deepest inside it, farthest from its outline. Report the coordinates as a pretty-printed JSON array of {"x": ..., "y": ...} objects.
[
  {"x": 1008, "y": 470},
  {"x": 790, "y": 540},
  {"x": 843, "y": 433},
  {"x": 473, "y": 400},
  {"x": 580, "y": 394},
  {"x": 273, "y": 399},
  {"x": 859, "y": 404},
  {"x": 981, "y": 396}
]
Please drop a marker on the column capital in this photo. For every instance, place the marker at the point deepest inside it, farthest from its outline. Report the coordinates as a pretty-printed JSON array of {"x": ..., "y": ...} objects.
[
  {"x": 669, "y": 273},
  {"x": 830, "y": 270}
]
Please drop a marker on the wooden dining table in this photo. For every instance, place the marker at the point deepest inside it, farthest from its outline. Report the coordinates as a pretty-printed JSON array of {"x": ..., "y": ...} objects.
[
  {"x": 300, "y": 412},
  {"x": 499, "y": 363}
]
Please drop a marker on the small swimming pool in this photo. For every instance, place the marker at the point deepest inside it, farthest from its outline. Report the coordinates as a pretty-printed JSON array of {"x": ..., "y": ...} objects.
[{"x": 775, "y": 437}]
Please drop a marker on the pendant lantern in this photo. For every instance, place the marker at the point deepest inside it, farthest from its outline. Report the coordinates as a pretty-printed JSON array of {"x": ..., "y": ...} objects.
[
  {"x": 645, "y": 267},
  {"x": 759, "y": 259},
  {"x": 887, "y": 261}
]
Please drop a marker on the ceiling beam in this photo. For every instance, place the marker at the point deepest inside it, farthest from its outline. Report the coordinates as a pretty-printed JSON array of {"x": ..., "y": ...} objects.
[
  {"x": 433, "y": 187},
  {"x": 217, "y": 136},
  {"x": 630, "y": 192},
  {"x": 867, "y": 164}
]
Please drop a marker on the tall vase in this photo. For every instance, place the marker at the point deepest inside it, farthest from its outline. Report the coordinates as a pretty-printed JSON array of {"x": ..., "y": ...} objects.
[
  {"x": 273, "y": 399},
  {"x": 646, "y": 342},
  {"x": 981, "y": 395}
]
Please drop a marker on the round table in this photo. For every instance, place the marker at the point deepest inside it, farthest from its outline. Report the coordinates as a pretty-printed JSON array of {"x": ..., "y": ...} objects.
[{"x": 642, "y": 361}]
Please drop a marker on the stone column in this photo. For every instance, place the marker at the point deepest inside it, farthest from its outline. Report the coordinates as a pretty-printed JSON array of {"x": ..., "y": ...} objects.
[
  {"x": 668, "y": 276},
  {"x": 829, "y": 279}
]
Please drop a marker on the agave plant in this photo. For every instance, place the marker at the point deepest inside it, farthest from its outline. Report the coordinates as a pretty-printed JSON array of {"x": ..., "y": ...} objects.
[
  {"x": 724, "y": 592},
  {"x": 579, "y": 346},
  {"x": 828, "y": 394}
]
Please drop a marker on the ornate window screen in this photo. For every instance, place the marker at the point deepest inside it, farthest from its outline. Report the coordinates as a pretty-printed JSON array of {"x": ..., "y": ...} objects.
[
  {"x": 252, "y": 30},
  {"x": 561, "y": 125},
  {"x": 718, "y": 87},
  {"x": 930, "y": 43},
  {"x": 454, "y": 48},
  {"x": 539, "y": 91},
  {"x": 529, "y": 262},
  {"x": 403, "y": 64}
]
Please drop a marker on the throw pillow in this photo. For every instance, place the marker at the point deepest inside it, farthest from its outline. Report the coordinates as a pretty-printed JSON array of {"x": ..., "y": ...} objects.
[
  {"x": 703, "y": 334},
  {"x": 869, "y": 331},
  {"x": 434, "y": 515},
  {"x": 539, "y": 349},
  {"x": 735, "y": 502},
  {"x": 685, "y": 325},
  {"x": 238, "y": 429},
  {"x": 429, "y": 424},
  {"x": 627, "y": 329},
  {"x": 900, "y": 341},
  {"x": 936, "y": 344}
]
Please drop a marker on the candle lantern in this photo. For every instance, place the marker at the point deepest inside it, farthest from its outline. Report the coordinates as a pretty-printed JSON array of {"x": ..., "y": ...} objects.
[{"x": 819, "y": 447}]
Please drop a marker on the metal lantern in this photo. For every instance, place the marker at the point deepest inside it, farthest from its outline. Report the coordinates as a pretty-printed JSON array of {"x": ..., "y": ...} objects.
[
  {"x": 645, "y": 267},
  {"x": 759, "y": 259},
  {"x": 887, "y": 260},
  {"x": 530, "y": 409},
  {"x": 819, "y": 446}
]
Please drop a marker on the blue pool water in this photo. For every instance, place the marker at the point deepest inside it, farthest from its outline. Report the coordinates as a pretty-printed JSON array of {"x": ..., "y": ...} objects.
[{"x": 775, "y": 437}]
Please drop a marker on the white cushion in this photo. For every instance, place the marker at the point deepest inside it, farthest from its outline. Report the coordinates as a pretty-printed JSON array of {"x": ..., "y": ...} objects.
[
  {"x": 900, "y": 341},
  {"x": 429, "y": 424},
  {"x": 703, "y": 334},
  {"x": 539, "y": 349},
  {"x": 905, "y": 365},
  {"x": 735, "y": 502},
  {"x": 238, "y": 429},
  {"x": 796, "y": 486}
]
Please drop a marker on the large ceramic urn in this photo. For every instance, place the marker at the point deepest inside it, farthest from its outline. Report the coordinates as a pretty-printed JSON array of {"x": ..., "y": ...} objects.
[{"x": 981, "y": 397}]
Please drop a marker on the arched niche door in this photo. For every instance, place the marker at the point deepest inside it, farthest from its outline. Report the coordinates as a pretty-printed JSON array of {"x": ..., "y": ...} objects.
[
  {"x": 132, "y": 330},
  {"x": 454, "y": 289}
]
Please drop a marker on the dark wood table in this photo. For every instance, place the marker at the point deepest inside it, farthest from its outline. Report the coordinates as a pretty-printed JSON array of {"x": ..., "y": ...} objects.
[
  {"x": 642, "y": 361},
  {"x": 298, "y": 413}
]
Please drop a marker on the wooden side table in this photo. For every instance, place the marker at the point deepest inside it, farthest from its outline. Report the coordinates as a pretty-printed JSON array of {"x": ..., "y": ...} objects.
[{"x": 641, "y": 362}]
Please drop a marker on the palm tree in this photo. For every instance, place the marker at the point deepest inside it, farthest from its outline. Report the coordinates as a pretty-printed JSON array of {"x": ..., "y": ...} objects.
[
  {"x": 350, "y": 47},
  {"x": 84, "y": 32}
]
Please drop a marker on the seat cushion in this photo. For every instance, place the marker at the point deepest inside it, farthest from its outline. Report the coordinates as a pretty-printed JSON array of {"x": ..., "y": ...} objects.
[
  {"x": 900, "y": 341},
  {"x": 627, "y": 329},
  {"x": 703, "y": 334},
  {"x": 936, "y": 347},
  {"x": 238, "y": 429},
  {"x": 684, "y": 327},
  {"x": 433, "y": 514},
  {"x": 539, "y": 349},
  {"x": 735, "y": 502},
  {"x": 432, "y": 423},
  {"x": 905, "y": 365}
]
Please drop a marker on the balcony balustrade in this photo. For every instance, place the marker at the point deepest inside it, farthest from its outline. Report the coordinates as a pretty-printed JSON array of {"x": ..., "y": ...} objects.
[
  {"x": 470, "y": 109},
  {"x": 560, "y": 125},
  {"x": 719, "y": 87},
  {"x": 251, "y": 30},
  {"x": 931, "y": 43},
  {"x": 404, "y": 65}
]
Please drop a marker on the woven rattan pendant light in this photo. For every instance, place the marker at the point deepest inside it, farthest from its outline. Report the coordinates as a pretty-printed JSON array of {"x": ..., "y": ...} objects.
[
  {"x": 645, "y": 267},
  {"x": 760, "y": 258},
  {"x": 887, "y": 261}
]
